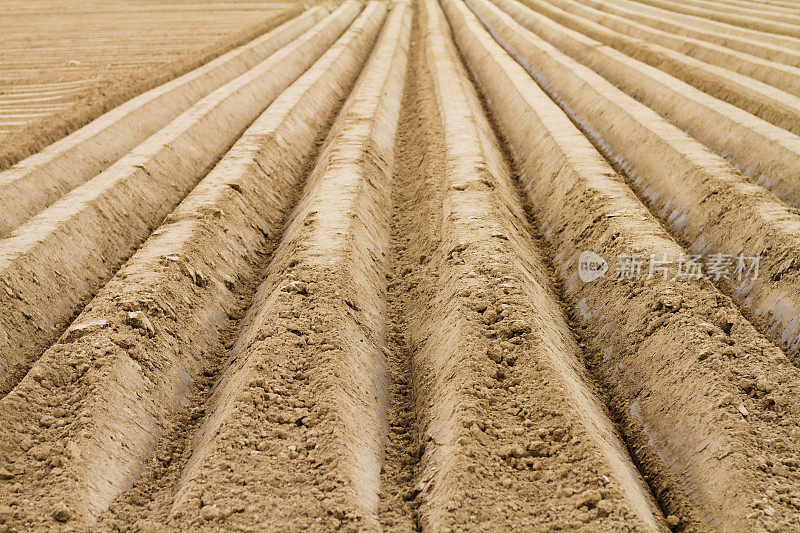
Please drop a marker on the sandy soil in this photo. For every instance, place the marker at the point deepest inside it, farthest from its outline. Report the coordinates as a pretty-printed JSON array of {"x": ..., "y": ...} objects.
[
  {"x": 64, "y": 63},
  {"x": 331, "y": 280}
]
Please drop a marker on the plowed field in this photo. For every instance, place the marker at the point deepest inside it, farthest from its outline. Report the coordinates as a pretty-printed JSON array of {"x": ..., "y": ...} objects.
[
  {"x": 64, "y": 63},
  {"x": 430, "y": 265}
]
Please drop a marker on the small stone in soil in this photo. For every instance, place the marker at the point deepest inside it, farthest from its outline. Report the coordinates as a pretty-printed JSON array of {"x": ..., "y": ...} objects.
[{"x": 61, "y": 513}]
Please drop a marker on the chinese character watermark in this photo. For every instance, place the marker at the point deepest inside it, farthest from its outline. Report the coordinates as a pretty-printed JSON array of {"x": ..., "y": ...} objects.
[{"x": 635, "y": 267}]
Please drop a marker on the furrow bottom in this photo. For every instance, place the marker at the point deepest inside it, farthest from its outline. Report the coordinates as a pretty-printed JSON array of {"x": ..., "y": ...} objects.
[{"x": 398, "y": 506}]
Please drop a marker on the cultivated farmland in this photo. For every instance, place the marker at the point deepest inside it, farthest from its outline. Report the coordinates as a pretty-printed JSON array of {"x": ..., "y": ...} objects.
[
  {"x": 64, "y": 63},
  {"x": 437, "y": 265}
]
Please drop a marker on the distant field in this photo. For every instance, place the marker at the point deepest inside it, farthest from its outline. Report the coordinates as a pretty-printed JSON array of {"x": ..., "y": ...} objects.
[{"x": 63, "y": 63}]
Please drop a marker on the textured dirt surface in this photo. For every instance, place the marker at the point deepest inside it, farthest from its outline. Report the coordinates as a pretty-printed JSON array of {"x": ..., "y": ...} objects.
[
  {"x": 64, "y": 63},
  {"x": 336, "y": 278},
  {"x": 34, "y": 184}
]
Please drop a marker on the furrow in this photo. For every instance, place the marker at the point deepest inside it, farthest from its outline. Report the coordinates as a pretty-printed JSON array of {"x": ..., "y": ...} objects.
[
  {"x": 397, "y": 505},
  {"x": 696, "y": 193},
  {"x": 728, "y": 16},
  {"x": 788, "y": 4},
  {"x": 117, "y": 57},
  {"x": 780, "y": 14},
  {"x": 765, "y": 101},
  {"x": 764, "y": 152},
  {"x": 772, "y": 4},
  {"x": 510, "y": 433},
  {"x": 82, "y": 425},
  {"x": 36, "y": 182},
  {"x": 51, "y": 265},
  {"x": 576, "y": 16},
  {"x": 706, "y": 30},
  {"x": 683, "y": 365},
  {"x": 294, "y": 433}
]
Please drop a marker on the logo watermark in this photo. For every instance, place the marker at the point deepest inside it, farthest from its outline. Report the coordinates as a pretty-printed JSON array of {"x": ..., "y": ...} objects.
[
  {"x": 591, "y": 266},
  {"x": 636, "y": 267}
]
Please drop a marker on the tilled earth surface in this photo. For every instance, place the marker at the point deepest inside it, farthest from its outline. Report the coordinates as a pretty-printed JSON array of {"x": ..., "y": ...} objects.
[
  {"x": 64, "y": 63},
  {"x": 441, "y": 265}
]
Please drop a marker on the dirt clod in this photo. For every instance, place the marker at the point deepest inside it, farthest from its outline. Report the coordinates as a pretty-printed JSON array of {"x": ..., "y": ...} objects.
[
  {"x": 138, "y": 320},
  {"x": 61, "y": 513}
]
